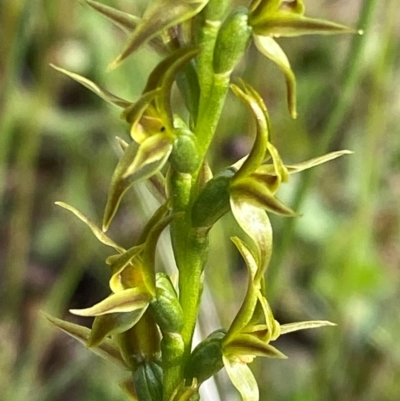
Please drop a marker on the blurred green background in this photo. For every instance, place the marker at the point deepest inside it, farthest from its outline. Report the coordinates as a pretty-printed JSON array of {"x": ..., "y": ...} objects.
[{"x": 339, "y": 261}]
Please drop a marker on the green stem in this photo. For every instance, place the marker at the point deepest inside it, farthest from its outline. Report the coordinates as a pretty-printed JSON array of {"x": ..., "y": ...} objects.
[
  {"x": 351, "y": 78},
  {"x": 210, "y": 109},
  {"x": 190, "y": 244},
  {"x": 191, "y": 250}
]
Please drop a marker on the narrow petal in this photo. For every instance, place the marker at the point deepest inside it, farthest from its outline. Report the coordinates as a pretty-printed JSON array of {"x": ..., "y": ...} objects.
[
  {"x": 99, "y": 234},
  {"x": 270, "y": 48},
  {"x": 242, "y": 378},
  {"x": 106, "y": 350},
  {"x": 290, "y": 327},
  {"x": 99, "y": 91},
  {"x": 295, "y": 168},
  {"x": 124, "y": 301}
]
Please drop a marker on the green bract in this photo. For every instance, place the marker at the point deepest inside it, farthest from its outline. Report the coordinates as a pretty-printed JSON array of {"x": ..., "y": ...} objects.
[{"x": 146, "y": 324}]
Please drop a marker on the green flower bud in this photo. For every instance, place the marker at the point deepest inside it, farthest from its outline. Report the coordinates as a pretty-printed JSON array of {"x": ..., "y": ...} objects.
[
  {"x": 206, "y": 359},
  {"x": 185, "y": 155},
  {"x": 213, "y": 201},
  {"x": 165, "y": 308},
  {"x": 232, "y": 41},
  {"x": 147, "y": 379}
]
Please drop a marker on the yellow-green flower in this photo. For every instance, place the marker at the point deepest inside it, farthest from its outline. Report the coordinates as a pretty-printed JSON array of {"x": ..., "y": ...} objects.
[
  {"x": 272, "y": 19},
  {"x": 253, "y": 329}
]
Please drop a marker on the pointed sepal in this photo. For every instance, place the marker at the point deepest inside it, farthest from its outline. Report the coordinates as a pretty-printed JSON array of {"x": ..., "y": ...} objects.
[
  {"x": 106, "y": 350},
  {"x": 313, "y": 324},
  {"x": 99, "y": 234},
  {"x": 128, "y": 300},
  {"x": 98, "y": 90}
]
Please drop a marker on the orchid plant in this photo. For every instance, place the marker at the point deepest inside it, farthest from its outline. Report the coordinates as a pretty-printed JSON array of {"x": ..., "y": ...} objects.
[{"x": 146, "y": 324}]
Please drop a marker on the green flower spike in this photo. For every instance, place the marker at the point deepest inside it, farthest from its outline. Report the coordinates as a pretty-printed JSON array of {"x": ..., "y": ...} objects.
[{"x": 275, "y": 18}]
